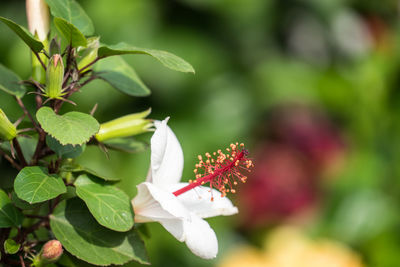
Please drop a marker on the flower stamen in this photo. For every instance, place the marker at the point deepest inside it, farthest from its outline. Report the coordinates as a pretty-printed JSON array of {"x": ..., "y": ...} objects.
[{"x": 222, "y": 172}]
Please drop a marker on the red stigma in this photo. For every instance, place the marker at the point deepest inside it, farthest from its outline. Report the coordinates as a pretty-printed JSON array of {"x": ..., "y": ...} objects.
[{"x": 222, "y": 172}]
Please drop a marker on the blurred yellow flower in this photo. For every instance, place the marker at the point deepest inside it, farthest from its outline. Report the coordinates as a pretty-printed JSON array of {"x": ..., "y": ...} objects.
[{"x": 289, "y": 247}]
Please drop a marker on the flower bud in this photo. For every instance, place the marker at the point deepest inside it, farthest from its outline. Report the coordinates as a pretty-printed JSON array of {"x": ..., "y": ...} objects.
[
  {"x": 38, "y": 16},
  {"x": 7, "y": 129},
  {"x": 128, "y": 125},
  {"x": 50, "y": 253},
  {"x": 90, "y": 52},
  {"x": 52, "y": 250},
  {"x": 54, "y": 47},
  {"x": 54, "y": 77}
]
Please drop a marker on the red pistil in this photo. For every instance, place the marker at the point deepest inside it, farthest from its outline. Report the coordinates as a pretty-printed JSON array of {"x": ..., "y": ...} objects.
[{"x": 222, "y": 173}]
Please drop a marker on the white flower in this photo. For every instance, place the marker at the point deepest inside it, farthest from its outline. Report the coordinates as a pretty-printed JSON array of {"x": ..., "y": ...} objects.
[
  {"x": 181, "y": 215},
  {"x": 38, "y": 16}
]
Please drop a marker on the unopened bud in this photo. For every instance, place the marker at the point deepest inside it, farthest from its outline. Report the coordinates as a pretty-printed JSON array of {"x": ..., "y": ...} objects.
[
  {"x": 128, "y": 125},
  {"x": 54, "y": 47},
  {"x": 54, "y": 77},
  {"x": 38, "y": 16},
  {"x": 52, "y": 250},
  {"x": 7, "y": 129},
  {"x": 90, "y": 52},
  {"x": 50, "y": 253}
]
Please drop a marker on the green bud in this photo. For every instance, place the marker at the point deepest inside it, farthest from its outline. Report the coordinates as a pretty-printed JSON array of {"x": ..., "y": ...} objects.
[
  {"x": 54, "y": 47},
  {"x": 7, "y": 129},
  {"x": 128, "y": 125},
  {"x": 90, "y": 52},
  {"x": 38, "y": 72},
  {"x": 54, "y": 77}
]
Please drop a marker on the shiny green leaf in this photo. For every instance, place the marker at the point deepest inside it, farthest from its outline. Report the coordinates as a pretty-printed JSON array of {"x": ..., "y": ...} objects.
[
  {"x": 24, "y": 34},
  {"x": 109, "y": 205},
  {"x": 11, "y": 247},
  {"x": 167, "y": 59},
  {"x": 72, "y": 12},
  {"x": 70, "y": 33},
  {"x": 73, "y": 167},
  {"x": 10, "y": 82},
  {"x": 34, "y": 184},
  {"x": 9, "y": 215},
  {"x": 73, "y": 128},
  {"x": 67, "y": 151},
  {"x": 128, "y": 144},
  {"x": 121, "y": 76},
  {"x": 81, "y": 235}
]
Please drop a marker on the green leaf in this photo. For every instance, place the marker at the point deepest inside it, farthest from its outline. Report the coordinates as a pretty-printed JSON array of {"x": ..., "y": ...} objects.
[
  {"x": 73, "y": 128},
  {"x": 9, "y": 215},
  {"x": 21, "y": 203},
  {"x": 129, "y": 145},
  {"x": 72, "y": 12},
  {"x": 83, "y": 237},
  {"x": 73, "y": 167},
  {"x": 109, "y": 205},
  {"x": 70, "y": 33},
  {"x": 9, "y": 82},
  {"x": 24, "y": 34},
  {"x": 34, "y": 184},
  {"x": 121, "y": 76},
  {"x": 67, "y": 151},
  {"x": 11, "y": 247},
  {"x": 167, "y": 59}
]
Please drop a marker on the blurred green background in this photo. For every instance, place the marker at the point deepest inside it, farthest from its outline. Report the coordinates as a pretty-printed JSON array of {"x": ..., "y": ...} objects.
[{"x": 311, "y": 87}]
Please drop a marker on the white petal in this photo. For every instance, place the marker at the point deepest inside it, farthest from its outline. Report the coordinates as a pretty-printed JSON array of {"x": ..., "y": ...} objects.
[
  {"x": 200, "y": 238},
  {"x": 155, "y": 204},
  {"x": 166, "y": 156},
  {"x": 175, "y": 227},
  {"x": 198, "y": 201}
]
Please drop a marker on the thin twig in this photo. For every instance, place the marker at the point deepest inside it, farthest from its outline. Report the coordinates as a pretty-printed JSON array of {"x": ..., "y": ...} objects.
[
  {"x": 93, "y": 77},
  {"x": 21, "y": 261},
  {"x": 90, "y": 64},
  {"x": 19, "y": 152},
  {"x": 40, "y": 60},
  {"x": 39, "y": 146},
  {"x": 26, "y": 112},
  {"x": 9, "y": 159}
]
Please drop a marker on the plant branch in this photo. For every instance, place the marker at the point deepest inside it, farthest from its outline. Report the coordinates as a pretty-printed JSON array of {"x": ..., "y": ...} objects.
[
  {"x": 90, "y": 64},
  {"x": 21, "y": 261},
  {"x": 9, "y": 159},
  {"x": 19, "y": 152},
  {"x": 39, "y": 147},
  {"x": 26, "y": 112},
  {"x": 40, "y": 60}
]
